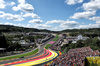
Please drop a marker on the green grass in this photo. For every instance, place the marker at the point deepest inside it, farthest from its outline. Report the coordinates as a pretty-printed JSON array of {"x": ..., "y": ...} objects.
[
  {"x": 21, "y": 55},
  {"x": 47, "y": 46},
  {"x": 64, "y": 51},
  {"x": 57, "y": 36}
]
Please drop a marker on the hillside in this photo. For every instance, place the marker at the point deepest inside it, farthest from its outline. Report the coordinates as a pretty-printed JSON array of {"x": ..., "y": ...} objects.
[
  {"x": 92, "y": 32},
  {"x": 82, "y": 30},
  {"x": 10, "y": 28}
]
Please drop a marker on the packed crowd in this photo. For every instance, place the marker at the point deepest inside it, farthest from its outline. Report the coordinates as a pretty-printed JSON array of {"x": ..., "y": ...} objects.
[{"x": 74, "y": 57}]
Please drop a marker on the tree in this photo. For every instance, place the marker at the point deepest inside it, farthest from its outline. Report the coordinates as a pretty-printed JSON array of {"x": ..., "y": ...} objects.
[
  {"x": 3, "y": 43},
  {"x": 31, "y": 38}
]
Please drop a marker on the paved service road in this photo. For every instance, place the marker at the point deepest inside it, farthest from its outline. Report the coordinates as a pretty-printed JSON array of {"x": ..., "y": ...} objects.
[{"x": 41, "y": 51}]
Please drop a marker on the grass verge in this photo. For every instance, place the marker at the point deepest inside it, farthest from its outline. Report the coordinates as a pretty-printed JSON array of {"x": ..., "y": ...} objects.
[
  {"x": 21, "y": 55},
  {"x": 57, "y": 36},
  {"x": 64, "y": 51},
  {"x": 47, "y": 46}
]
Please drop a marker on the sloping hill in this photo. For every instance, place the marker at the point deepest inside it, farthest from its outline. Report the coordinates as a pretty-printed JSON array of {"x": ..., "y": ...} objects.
[{"x": 11, "y": 28}]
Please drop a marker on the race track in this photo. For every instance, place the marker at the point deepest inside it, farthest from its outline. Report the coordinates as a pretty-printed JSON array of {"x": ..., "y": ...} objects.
[{"x": 45, "y": 57}]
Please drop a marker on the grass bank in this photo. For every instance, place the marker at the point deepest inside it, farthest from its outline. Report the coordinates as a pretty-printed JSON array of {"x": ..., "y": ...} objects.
[
  {"x": 47, "y": 46},
  {"x": 21, "y": 55},
  {"x": 57, "y": 36}
]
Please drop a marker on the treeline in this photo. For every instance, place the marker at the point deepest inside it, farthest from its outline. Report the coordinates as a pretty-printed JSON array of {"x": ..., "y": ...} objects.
[
  {"x": 10, "y": 28},
  {"x": 93, "y": 32},
  {"x": 82, "y": 30}
]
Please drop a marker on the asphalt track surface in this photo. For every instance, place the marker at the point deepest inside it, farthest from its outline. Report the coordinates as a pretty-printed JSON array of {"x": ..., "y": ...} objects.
[
  {"x": 47, "y": 56},
  {"x": 41, "y": 54}
]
